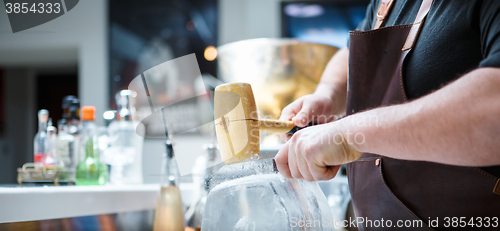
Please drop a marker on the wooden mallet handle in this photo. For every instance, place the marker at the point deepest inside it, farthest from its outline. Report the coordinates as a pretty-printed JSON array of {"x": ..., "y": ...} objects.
[{"x": 278, "y": 126}]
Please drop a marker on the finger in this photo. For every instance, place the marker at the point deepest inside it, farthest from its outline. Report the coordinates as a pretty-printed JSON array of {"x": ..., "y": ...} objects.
[
  {"x": 306, "y": 114},
  {"x": 304, "y": 169},
  {"x": 291, "y": 110},
  {"x": 292, "y": 164},
  {"x": 301, "y": 161},
  {"x": 331, "y": 172},
  {"x": 284, "y": 137},
  {"x": 287, "y": 114},
  {"x": 281, "y": 159},
  {"x": 321, "y": 173}
]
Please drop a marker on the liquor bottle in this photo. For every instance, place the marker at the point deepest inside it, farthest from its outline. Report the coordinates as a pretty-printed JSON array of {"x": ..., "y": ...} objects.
[
  {"x": 65, "y": 146},
  {"x": 50, "y": 158},
  {"x": 90, "y": 171},
  {"x": 66, "y": 103},
  {"x": 66, "y": 143},
  {"x": 169, "y": 214},
  {"x": 201, "y": 178},
  {"x": 123, "y": 153},
  {"x": 73, "y": 127},
  {"x": 72, "y": 115},
  {"x": 41, "y": 138}
]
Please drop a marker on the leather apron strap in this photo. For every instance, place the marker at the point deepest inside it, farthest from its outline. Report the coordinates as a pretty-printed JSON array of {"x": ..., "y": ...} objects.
[
  {"x": 384, "y": 10},
  {"x": 417, "y": 25}
]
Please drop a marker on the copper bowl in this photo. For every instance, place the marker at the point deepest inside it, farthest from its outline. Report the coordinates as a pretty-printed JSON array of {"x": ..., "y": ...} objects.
[{"x": 279, "y": 70}]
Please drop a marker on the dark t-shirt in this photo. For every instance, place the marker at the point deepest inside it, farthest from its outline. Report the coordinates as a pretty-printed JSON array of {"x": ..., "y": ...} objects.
[{"x": 457, "y": 37}]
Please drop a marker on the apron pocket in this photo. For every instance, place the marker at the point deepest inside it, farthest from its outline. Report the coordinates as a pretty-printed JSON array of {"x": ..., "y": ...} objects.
[
  {"x": 439, "y": 193},
  {"x": 374, "y": 202}
]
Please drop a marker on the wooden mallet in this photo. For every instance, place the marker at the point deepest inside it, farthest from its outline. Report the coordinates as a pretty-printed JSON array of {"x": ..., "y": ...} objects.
[{"x": 237, "y": 124}]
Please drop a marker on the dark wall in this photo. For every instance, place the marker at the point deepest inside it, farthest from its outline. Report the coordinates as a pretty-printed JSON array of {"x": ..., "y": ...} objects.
[
  {"x": 26, "y": 90},
  {"x": 50, "y": 91},
  {"x": 182, "y": 27}
]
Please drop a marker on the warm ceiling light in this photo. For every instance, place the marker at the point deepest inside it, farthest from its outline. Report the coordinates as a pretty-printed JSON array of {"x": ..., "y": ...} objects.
[{"x": 210, "y": 53}]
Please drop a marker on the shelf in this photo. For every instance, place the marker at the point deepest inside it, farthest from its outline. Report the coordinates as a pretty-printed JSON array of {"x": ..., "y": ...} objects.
[{"x": 53, "y": 202}]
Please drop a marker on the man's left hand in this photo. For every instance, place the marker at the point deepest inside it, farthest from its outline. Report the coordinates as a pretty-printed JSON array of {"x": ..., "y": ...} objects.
[{"x": 315, "y": 153}]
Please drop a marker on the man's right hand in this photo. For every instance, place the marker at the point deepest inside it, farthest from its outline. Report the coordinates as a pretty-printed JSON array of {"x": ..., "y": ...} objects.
[
  {"x": 328, "y": 100},
  {"x": 315, "y": 108}
]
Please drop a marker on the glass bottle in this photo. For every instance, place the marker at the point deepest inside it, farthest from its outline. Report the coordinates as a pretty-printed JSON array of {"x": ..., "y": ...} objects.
[
  {"x": 73, "y": 127},
  {"x": 50, "y": 159},
  {"x": 41, "y": 138},
  {"x": 73, "y": 116},
  {"x": 65, "y": 146},
  {"x": 66, "y": 103},
  {"x": 201, "y": 177},
  {"x": 66, "y": 142},
  {"x": 90, "y": 171},
  {"x": 124, "y": 140},
  {"x": 169, "y": 214}
]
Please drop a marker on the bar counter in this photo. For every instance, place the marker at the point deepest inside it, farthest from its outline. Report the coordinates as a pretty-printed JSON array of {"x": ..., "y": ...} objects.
[{"x": 20, "y": 204}]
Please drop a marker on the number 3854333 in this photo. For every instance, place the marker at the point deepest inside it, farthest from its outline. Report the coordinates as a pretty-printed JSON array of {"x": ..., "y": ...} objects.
[{"x": 37, "y": 8}]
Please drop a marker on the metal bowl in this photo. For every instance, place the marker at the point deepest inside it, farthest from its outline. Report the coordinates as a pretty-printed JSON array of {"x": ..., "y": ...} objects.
[{"x": 279, "y": 70}]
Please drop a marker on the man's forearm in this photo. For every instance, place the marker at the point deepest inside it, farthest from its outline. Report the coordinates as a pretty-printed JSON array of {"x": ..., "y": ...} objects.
[
  {"x": 458, "y": 124},
  {"x": 334, "y": 80}
]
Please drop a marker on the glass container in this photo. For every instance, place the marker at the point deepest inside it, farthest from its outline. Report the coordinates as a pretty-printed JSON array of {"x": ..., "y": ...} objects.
[
  {"x": 90, "y": 171},
  {"x": 124, "y": 142},
  {"x": 41, "y": 138},
  {"x": 169, "y": 215},
  {"x": 252, "y": 195}
]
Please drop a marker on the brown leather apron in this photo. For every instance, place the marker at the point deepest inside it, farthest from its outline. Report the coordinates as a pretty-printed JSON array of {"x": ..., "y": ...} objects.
[{"x": 399, "y": 190}]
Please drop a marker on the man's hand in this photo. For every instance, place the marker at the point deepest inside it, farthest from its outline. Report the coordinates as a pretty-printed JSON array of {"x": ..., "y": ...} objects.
[
  {"x": 309, "y": 108},
  {"x": 315, "y": 153},
  {"x": 328, "y": 100},
  {"x": 311, "y": 153}
]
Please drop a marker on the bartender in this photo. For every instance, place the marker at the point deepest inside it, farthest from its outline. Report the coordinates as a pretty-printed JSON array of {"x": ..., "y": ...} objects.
[{"x": 420, "y": 88}]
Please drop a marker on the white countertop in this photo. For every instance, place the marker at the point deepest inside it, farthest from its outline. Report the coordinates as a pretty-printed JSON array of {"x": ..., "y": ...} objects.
[{"x": 53, "y": 202}]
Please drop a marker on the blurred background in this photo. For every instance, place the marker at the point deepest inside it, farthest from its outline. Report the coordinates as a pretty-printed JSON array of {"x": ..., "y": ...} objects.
[{"x": 94, "y": 50}]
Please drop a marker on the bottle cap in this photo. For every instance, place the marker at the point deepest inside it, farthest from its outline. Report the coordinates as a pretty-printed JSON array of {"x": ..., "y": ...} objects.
[
  {"x": 88, "y": 112},
  {"x": 43, "y": 115},
  {"x": 125, "y": 98},
  {"x": 124, "y": 101}
]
